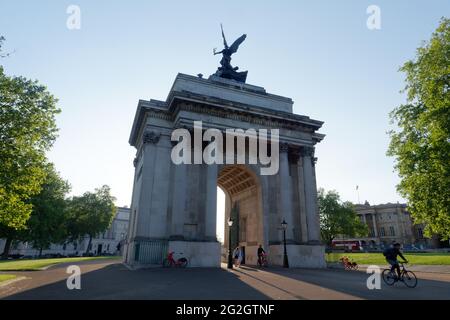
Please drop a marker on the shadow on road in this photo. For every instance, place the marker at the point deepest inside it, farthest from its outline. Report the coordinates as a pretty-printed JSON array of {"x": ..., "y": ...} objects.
[
  {"x": 355, "y": 283},
  {"x": 115, "y": 281}
]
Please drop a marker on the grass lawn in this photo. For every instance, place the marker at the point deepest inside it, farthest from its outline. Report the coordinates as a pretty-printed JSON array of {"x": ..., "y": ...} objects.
[
  {"x": 5, "y": 277},
  {"x": 378, "y": 258},
  {"x": 39, "y": 264}
]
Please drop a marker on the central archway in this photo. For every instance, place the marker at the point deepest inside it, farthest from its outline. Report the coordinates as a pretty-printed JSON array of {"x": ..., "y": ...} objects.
[{"x": 243, "y": 203}]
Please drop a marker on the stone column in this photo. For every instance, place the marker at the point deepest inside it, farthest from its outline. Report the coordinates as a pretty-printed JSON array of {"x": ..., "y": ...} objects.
[
  {"x": 311, "y": 196},
  {"x": 301, "y": 199},
  {"x": 286, "y": 191},
  {"x": 160, "y": 199},
  {"x": 211, "y": 202},
  {"x": 178, "y": 201},
  {"x": 147, "y": 174},
  {"x": 374, "y": 224}
]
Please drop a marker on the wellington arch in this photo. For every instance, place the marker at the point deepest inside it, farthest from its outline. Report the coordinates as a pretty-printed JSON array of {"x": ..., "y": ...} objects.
[{"x": 174, "y": 205}]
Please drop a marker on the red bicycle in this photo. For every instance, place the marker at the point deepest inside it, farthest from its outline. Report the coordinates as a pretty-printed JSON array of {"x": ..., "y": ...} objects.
[
  {"x": 171, "y": 262},
  {"x": 262, "y": 261}
]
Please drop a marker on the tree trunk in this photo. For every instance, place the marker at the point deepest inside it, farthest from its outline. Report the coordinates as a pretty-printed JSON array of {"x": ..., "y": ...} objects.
[
  {"x": 89, "y": 245},
  {"x": 40, "y": 252},
  {"x": 7, "y": 248}
]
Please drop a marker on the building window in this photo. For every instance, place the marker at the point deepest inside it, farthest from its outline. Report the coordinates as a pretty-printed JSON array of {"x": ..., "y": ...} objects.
[
  {"x": 392, "y": 231},
  {"x": 420, "y": 233},
  {"x": 382, "y": 232}
]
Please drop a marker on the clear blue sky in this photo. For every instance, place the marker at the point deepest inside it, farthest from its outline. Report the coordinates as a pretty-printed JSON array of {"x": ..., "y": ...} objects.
[{"x": 319, "y": 53}]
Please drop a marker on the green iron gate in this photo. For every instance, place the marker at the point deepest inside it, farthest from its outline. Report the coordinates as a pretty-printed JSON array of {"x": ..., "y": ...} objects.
[{"x": 150, "y": 251}]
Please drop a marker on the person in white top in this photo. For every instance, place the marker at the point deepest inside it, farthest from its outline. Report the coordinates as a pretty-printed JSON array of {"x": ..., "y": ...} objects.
[{"x": 237, "y": 254}]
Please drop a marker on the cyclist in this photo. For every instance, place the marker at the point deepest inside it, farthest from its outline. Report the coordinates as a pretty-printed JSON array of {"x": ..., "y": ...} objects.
[
  {"x": 261, "y": 253},
  {"x": 391, "y": 257}
]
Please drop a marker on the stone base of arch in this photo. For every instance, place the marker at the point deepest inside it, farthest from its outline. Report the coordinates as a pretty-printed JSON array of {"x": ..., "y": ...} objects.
[
  {"x": 199, "y": 253},
  {"x": 299, "y": 256}
]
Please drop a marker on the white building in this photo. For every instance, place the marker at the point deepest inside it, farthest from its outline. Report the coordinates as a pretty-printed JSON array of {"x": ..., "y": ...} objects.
[{"x": 106, "y": 243}]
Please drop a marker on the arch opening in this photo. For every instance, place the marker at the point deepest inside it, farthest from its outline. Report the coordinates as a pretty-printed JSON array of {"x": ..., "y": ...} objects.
[{"x": 239, "y": 198}]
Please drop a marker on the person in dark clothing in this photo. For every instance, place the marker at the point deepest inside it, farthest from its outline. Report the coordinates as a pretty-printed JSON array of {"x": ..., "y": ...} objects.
[
  {"x": 391, "y": 257},
  {"x": 261, "y": 252}
]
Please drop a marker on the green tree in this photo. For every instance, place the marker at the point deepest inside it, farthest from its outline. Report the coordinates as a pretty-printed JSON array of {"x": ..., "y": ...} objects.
[
  {"x": 91, "y": 214},
  {"x": 27, "y": 130},
  {"x": 421, "y": 145},
  {"x": 47, "y": 222},
  {"x": 337, "y": 217}
]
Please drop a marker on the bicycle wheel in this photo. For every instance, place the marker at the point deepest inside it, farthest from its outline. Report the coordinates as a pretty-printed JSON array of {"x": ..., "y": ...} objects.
[
  {"x": 388, "y": 277},
  {"x": 183, "y": 262},
  {"x": 166, "y": 263},
  {"x": 410, "y": 279}
]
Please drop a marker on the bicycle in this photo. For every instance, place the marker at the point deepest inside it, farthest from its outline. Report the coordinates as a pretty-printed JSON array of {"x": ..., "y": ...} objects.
[
  {"x": 171, "y": 262},
  {"x": 348, "y": 265},
  {"x": 407, "y": 277},
  {"x": 262, "y": 261}
]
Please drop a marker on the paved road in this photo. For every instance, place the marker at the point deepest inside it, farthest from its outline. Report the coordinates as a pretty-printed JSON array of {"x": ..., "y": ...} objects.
[{"x": 109, "y": 279}]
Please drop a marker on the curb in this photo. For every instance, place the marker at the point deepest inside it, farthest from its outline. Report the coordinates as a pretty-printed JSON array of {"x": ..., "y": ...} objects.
[{"x": 8, "y": 282}]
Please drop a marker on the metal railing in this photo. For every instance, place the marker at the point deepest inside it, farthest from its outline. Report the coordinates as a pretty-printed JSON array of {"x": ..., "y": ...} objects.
[{"x": 150, "y": 251}]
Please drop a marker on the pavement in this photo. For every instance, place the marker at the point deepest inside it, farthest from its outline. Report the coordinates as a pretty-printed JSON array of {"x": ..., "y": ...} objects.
[
  {"x": 109, "y": 279},
  {"x": 420, "y": 268}
]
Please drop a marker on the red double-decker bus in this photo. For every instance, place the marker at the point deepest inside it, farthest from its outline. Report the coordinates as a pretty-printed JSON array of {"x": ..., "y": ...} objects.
[{"x": 348, "y": 245}]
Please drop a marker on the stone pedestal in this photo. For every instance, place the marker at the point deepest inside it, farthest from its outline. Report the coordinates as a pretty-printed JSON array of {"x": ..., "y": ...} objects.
[
  {"x": 300, "y": 256},
  {"x": 199, "y": 253}
]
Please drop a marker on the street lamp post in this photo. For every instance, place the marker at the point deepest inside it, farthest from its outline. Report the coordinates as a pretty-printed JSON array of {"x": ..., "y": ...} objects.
[
  {"x": 285, "y": 257},
  {"x": 230, "y": 258}
]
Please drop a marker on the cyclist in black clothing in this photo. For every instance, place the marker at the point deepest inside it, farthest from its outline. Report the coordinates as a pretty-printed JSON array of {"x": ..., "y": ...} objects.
[
  {"x": 260, "y": 254},
  {"x": 391, "y": 257}
]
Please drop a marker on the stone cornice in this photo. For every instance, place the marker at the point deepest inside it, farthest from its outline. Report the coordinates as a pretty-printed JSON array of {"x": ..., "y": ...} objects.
[
  {"x": 280, "y": 116},
  {"x": 241, "y": 115}
]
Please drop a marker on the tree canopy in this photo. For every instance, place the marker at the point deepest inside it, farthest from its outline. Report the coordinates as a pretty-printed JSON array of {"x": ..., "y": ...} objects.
[
  {"x": 27, "y": 130},
  {"x": 91, "y": 213},
  {"x": 337, "y": 217},
  {"x": 48, "y": 220},
  {"x": 421, "y": 145}
]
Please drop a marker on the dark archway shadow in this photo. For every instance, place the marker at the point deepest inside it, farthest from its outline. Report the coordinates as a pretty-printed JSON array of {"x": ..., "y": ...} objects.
[{"x": 117, "y": 282}]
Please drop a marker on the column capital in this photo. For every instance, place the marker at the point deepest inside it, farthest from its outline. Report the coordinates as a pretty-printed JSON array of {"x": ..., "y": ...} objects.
[
  {"x": 284, "y": 147},
  {"x": 151, "y": 136},
  {"x": 307, "y": 151}
]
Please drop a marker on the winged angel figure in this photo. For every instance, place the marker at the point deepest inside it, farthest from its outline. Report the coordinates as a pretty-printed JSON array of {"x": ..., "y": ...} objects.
[{"x": 226, "y": 70}]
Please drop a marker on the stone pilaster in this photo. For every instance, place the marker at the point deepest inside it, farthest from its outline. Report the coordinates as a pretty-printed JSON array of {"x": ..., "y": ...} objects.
[
  {"x": 286, "y": 192},
  {"x": 211, "y": 202},
  {"x": 374, "y": 224},
  {"x": 179, "y": 201},
  {"x": 312, "y": 215},
  {"x": 302, "y": 200},
  {"x": 145, "y": 179}
]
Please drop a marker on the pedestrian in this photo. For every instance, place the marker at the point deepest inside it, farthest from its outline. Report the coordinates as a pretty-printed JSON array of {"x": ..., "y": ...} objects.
[{"x": 237, "y": 254}]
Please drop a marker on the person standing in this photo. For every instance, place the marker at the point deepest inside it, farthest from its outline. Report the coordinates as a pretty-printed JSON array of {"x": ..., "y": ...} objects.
[{"x": 237, "y": 254}]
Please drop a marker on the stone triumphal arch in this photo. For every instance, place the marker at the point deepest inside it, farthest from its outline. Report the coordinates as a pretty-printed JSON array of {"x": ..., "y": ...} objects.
[{"x": 174, "y": 205}]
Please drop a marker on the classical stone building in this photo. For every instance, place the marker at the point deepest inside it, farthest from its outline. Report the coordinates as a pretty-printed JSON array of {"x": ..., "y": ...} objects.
[
  {"x": 105, "y": 243},
  {"x": 392, "y": 222},
  {"x": 174, "y": 205}
]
